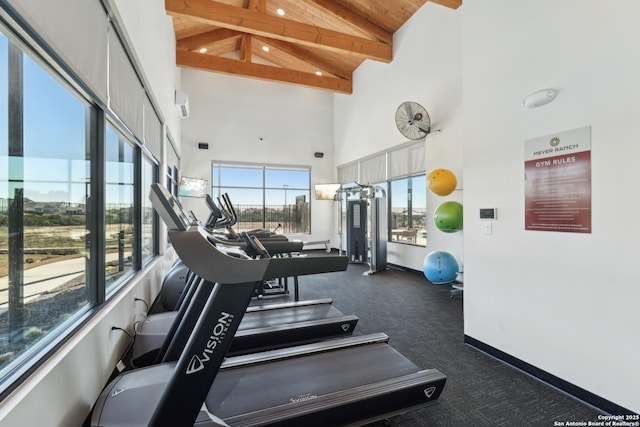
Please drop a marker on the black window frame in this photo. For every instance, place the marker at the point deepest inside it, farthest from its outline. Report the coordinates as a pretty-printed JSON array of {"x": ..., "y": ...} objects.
[
  {"x": 20, "y": 34},
  {"x": 217, "y": 189}
]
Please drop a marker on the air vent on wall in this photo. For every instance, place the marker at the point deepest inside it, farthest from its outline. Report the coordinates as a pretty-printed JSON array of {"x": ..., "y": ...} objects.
[{"x": 182, "y": 104}]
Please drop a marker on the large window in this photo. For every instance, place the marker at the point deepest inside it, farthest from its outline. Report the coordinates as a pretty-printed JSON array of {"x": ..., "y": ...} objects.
[
  {"x": 44, "y": 188},
  {"x": 119, "y": 207},
  {"x": 408, "y": 209},
  {"x": 172, "y": 179},
  {"x": 149, "y": 176},
  {"x": 266, "y": 196},
  {"x": 75, "y": 220}
]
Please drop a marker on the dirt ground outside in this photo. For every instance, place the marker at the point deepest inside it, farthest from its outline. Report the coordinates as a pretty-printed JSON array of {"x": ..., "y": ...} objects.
[{"x": 44, "y": 245}]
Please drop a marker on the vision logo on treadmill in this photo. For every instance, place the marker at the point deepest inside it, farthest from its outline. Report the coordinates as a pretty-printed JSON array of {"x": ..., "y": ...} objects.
[
  {"x": 345, "y": 326},
  {"x": 429, "y": 392},
  {"x": 197, "y": 362},
  {"x": 303, "y": 398}
]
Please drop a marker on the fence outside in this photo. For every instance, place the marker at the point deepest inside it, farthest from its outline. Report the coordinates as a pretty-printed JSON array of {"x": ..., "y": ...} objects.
[{"x": 288, "y": 219}]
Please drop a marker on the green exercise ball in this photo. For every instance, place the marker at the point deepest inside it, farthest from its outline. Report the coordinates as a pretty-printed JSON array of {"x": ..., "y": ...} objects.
[{"x": 448, "y": 217}]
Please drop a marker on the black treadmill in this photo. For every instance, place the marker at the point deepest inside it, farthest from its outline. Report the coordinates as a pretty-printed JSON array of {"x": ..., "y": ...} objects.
[
  {"x": 339, "y": 382},
  {"x": 263, "y": 327},
  {"x": 225, "y": 216}
]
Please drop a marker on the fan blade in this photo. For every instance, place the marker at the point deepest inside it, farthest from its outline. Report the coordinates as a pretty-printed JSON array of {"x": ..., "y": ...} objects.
[{"x": 407, "y": 107}]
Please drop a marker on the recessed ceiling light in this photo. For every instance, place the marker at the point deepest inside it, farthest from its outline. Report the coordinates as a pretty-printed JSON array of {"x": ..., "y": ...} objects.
[
  {"x": 265, "y": 48},
  {"x": 318, "y": 73},
  {"x": 280, "y": 12},
  {"x": 203, "y": 50}
]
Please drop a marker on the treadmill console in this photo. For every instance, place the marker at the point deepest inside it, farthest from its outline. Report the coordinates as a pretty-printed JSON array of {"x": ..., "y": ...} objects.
[{"x": 168, "y": 208}]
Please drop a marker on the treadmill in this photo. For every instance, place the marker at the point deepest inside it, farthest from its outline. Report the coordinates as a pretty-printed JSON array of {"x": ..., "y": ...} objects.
[
  {"x": 225, "y": 216},
  {"x": 229, "y": 210},
  {"x": 263, "y": 327},
  {"x": 174, "y": 282},
  {"x": 348, "y": 381}
]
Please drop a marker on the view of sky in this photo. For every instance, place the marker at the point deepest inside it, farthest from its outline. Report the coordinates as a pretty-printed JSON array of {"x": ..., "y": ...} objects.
[
  {"x": 419, "y": 194},
  {"x": 282, "y": 185},
  {"x": 54, "y": 166}
]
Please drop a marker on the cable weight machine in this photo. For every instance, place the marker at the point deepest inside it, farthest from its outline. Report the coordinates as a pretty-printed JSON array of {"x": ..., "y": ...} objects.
[{"x": 366, "y": 225}]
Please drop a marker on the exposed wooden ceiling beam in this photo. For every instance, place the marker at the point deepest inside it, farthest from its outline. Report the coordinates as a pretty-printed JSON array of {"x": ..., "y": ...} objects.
[
  {"x": 206, "y": 39},
  {"x": 349, "y": 17},
  {"x": 306, "y": 56},
  {"x": 453, "y": 4},
  {"x": 259, "y": 71},
  {"x": 245, "y": 48},
  {"x": 249, "y": 21},
  {"x": 257, "y": 5}
]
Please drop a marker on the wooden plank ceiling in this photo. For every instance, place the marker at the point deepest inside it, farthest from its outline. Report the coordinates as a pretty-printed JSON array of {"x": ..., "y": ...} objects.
[{"x": 314, "y": 43}]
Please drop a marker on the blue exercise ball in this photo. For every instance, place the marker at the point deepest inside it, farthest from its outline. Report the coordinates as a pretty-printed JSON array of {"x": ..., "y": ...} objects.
[{"x": 440, "y": 267}]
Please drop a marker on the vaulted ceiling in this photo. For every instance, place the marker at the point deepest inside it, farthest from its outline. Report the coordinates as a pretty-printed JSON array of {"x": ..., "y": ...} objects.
[{"x": 314, "y": 43}]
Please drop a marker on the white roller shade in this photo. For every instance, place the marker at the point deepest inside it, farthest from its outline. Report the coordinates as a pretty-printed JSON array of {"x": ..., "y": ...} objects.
[
  {"x": 77, "y": 31},
  {"x": 152, "y": 129},
  {"x": 407, "y": 160},
  {"x": 373, "y": 170},
  {"x": 126, "y": 95},
  {"x": 348, "y": 173}
]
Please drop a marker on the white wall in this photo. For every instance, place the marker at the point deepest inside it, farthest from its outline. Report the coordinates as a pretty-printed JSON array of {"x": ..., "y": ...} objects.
[
  {"x": 426, "y": 68},
  {"x": 231, "y": 114},
  {"x": 62, "y": 391},
  {"x": 565, "y": 303}
]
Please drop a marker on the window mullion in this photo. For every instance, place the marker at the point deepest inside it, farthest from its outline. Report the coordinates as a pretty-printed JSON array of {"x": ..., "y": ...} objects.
[
  {"x": 409, "y": 203},
  {"x": 264, "y": 197},
  {"x": 16, "y": 193},
  {"x": 96, "y": 261},
  {"x": 137, "y": 210},
  {"x": 155, "y": 226}
]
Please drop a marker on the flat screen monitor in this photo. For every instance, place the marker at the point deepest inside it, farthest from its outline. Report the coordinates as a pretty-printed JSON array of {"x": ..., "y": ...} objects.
[
  {"x": 326, "y": 191},
  {"x": 192, "y": 187}
]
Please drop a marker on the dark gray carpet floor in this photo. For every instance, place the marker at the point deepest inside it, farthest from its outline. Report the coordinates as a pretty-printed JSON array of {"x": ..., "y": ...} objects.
[{"x": 426, "y": 325}]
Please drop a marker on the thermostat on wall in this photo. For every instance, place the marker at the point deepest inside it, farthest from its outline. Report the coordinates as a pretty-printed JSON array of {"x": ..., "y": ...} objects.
[{"x": 488, "y": 213}]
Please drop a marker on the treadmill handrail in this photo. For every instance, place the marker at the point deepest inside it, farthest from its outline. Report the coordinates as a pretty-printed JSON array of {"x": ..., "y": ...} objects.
[
  {"x": 229, "y": 207},
  {"x": 212, "y": 264}
]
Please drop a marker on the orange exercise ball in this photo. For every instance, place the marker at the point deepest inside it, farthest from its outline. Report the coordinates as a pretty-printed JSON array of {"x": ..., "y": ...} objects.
[{"x": 442, "y": 182}]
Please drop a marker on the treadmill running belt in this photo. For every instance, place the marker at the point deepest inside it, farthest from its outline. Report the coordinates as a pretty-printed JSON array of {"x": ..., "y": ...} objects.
[
  {"x": 261, "y": 319},
  {"x": 247, "y": 389}
]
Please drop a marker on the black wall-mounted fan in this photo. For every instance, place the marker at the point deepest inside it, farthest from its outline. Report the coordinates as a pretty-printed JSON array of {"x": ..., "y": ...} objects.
[{"x": 413, "y": 120}]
